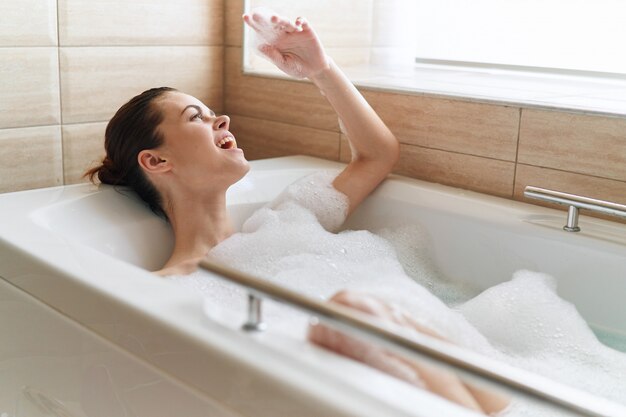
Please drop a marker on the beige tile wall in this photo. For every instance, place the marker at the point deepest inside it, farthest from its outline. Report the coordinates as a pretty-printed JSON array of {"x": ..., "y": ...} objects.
[
  {"x": 268, "y": 139},
  {"x": 28, "y": 23},
  {"x": 68, "y": 75},
  {"x": 494, "y": 149},
  {"x": 575, "y": 153},
  {"x": 30, "y": 134},
  {"x": 67, "y": 65},
  {"x": 157, "y": 22},
  {"x": 82, "y": 147},
  {"x": 194, "y": 69},
  {"x": 30, "y": 92},
  {"x": 31, "y": 157}
]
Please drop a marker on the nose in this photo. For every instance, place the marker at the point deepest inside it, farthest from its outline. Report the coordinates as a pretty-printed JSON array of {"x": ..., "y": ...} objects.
[{"x": 221, "y": 122}]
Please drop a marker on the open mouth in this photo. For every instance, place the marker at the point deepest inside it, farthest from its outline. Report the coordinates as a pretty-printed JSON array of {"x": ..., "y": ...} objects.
[{"x": 227, "y": 143}]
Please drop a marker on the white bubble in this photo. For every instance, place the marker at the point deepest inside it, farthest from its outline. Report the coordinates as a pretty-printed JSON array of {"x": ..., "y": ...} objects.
[
  {"x": 545, "y": 334},
  {"x": 293, "y": 242}
]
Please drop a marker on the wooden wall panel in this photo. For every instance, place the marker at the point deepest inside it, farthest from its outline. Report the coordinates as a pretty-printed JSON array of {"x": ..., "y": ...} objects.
[
  {"x": 469, "y": 172},
  {"x": 268, "y": 139},
  {"x": 591, "y": 145},
  {"x": 233, "y": 24},
  {"x": 451, "y": 125},
  {"x": 485, "y": 175},
  {"x": 293, "y": 102},
  {"x": 568, "y": 182}
]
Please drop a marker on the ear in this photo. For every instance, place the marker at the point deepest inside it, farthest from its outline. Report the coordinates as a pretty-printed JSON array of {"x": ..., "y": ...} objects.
[{"x": 151, "y": 161}]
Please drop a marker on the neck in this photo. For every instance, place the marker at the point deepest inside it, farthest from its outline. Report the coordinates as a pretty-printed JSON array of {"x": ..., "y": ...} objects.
[{"x": 198, "y": 225}]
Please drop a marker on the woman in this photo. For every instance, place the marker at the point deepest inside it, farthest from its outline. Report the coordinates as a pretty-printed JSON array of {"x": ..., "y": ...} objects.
[{"x": 180, "y": 157}]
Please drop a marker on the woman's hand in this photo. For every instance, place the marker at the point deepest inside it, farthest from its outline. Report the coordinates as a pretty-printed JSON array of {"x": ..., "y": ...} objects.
[{"x": 292, "y": 47}]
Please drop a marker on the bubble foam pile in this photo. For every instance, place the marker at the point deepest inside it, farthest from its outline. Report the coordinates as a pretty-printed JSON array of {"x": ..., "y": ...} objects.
[{"x": 293, "y": 242}]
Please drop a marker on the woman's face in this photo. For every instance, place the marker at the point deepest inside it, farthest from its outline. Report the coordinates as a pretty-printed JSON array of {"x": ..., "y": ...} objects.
[{"x": 197, "y": 143}]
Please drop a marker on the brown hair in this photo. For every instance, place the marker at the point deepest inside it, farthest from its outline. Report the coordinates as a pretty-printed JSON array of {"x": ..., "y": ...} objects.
[{"x": 132, "y": 129}]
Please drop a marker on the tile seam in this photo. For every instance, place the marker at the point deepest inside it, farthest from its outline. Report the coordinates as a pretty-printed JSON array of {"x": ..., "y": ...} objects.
[
  {"x": 60, "y": 93},
  {"x": 519, "y": 131}
]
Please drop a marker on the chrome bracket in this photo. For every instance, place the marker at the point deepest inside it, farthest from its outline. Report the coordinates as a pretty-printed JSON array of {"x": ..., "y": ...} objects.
[
  {"x": 255, "y": 317},
  {"x": 574, "y": 203}
]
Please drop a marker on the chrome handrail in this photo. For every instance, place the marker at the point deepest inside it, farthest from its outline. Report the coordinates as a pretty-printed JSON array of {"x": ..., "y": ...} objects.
[
  {"x": 575, "y": 202},
  {"x": 424, "y": 347}
]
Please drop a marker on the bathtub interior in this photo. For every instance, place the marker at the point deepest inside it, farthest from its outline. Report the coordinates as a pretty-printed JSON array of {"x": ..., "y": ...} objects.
[
  {"x": 122, "y": 226},
  {"x": 116, "y": 222},
  {"x": 474, "y": 239},
  {"x": 485, "y": 250}
]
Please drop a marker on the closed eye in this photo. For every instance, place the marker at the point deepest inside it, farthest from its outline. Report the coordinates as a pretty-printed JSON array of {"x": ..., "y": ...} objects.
[{"x": 197, "y": 116}]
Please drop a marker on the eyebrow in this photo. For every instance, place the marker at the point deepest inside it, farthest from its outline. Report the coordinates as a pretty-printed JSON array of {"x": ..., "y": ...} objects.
[{"x": 198, "y": 109}]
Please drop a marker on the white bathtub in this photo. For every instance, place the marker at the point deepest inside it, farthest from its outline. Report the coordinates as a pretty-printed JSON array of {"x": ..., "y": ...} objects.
[{"x": 85, "y": 330}]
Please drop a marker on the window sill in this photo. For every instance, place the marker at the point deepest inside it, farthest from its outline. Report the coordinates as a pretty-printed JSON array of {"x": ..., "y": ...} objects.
[{"x": 587, "y": 95}]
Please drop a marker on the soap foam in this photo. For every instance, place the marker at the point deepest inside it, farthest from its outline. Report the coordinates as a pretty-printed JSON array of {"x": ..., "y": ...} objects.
[
  {"x": 412, "y": 245},
  {"x": 292, "y": 242},
  {"x": 537, "y": 330}
]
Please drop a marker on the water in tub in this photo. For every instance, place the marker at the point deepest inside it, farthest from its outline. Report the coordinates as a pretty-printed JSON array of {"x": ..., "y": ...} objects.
[{"x": 292, "y": 242}]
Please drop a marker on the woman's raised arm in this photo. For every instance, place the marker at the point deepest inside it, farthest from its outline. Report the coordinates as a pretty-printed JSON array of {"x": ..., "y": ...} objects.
[
  {"x": 374, "y": 148},
  {"x": 296, "y": 50}
]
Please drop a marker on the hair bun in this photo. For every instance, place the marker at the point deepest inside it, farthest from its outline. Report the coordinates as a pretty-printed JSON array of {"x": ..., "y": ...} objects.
[
  {"x": 106, "y": 172},
  {"x": 107, "y": 163}
]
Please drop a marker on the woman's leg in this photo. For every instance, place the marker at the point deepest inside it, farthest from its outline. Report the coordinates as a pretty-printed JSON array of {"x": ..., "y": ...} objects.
[{"x": 440, "y": 382}]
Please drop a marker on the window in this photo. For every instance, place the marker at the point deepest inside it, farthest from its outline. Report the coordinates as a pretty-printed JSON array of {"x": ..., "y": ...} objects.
[
  {"x": 568, "y": 54},
  {"x": 570, "y": 35}
]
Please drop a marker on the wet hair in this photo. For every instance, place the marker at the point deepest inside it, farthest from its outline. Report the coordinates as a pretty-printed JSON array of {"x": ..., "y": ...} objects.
[{"x": 132, "y": 129}]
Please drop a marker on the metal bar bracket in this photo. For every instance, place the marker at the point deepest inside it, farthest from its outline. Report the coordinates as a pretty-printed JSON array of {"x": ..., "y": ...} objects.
[
  {"x": 574, "y": 203},
  {"x": 255, "y": 315}
]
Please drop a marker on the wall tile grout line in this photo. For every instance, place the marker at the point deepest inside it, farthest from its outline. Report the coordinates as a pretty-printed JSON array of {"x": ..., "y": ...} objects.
[
  {"x": 147, "y": 45},
  {"x": 283, "y": 122},
  {"x": 519, "y": 130},
  {"x": 28, "y": 127},
  {"x": 573, "y": 172},
  {"x": 224, "y": 28},
  {"x": 60, "y": 93}
]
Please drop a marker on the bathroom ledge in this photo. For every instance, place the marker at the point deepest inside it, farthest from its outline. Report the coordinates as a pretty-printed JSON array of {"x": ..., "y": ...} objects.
[{"x": 577, "y": 94}]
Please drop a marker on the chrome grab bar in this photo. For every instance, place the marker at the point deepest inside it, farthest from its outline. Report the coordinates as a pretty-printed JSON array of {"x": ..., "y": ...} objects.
[
  {"x": 575, "y": 202},
  {"x": 421, "y": 346}
]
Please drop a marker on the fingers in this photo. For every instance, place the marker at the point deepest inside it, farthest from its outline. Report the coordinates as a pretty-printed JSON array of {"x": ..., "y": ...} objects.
[
  {"x": 262, "y": 21},
  {"x": 250, "y": 22},
  {"x": 283, "y": 24},
  {"x": 258, "y": 20},
  {"x": 304, "y": 24}
]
